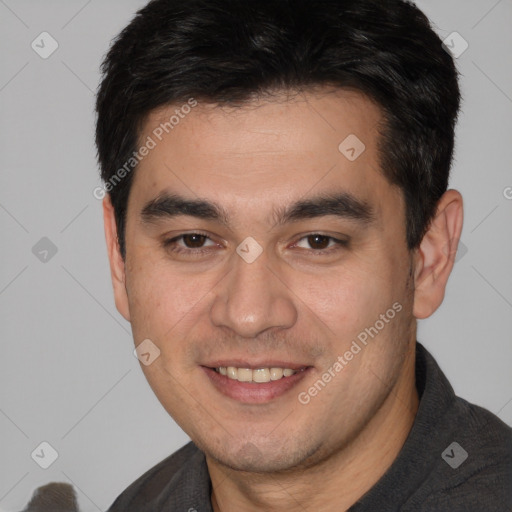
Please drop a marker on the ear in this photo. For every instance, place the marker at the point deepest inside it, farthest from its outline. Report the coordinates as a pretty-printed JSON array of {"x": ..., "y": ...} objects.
[
  {"x": 435, "y": 256},
  {"x": 117, "y": 265}
]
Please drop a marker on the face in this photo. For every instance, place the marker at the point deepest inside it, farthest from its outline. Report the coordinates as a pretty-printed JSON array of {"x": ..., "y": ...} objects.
[{"x": 256, "y": 243}]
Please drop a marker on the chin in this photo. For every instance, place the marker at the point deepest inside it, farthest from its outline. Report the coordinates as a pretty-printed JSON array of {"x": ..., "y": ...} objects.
[{"x": 253, "y": 457}]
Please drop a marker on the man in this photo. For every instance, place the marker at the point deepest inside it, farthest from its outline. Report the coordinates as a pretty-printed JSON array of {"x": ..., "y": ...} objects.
[{"x": 277, "y": 219}]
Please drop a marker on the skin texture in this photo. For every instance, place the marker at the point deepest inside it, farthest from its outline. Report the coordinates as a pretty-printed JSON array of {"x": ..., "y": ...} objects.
[{"x": 296, "y": 302}]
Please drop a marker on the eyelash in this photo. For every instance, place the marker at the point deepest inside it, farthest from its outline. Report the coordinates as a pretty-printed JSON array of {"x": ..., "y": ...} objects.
[{"x": 170, "y": 244}]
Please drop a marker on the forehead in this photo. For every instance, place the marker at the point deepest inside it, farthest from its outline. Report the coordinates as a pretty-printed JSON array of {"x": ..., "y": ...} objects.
[
  {"x": 266, "y": 152},
  {"x": 305, "y": 123}
]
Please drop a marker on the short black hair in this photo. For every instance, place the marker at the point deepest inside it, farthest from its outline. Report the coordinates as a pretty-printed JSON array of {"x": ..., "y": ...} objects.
[{"x": 232, "y": 51}]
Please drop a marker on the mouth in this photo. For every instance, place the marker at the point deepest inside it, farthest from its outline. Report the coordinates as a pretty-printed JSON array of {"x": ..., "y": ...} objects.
[
  {"x": 258, "y": 375},
  {"x": 257, "y": 384}
]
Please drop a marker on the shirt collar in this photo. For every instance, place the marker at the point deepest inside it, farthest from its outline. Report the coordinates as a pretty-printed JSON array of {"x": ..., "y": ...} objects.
[{"x": 419, "y": 454}]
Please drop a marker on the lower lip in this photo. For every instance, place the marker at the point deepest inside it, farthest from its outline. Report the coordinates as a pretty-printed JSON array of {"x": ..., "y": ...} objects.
[{"x": 251, "y": 392}]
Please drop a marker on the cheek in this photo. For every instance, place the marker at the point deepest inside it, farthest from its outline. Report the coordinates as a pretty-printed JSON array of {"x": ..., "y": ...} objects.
[
  {"x": 156, "y": 300},
  {"x": 346, "y": 301},
  {"x": 164, "y": 302}
]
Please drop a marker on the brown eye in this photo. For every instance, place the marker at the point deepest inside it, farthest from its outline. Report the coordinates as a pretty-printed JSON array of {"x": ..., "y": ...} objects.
[
  {"x": 318, "y": 241},
  {"x": 194, "y": 240},
  {"x": 189, "y": 243},
  {"x": 321, "y": 244}
]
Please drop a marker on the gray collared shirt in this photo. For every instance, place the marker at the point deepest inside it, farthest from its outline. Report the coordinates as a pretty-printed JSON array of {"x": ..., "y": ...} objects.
[{"x": 457, "y": 458}]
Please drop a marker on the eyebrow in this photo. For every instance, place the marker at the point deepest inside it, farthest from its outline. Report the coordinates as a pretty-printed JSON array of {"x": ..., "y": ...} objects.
[{"x": 343, "y": 205}]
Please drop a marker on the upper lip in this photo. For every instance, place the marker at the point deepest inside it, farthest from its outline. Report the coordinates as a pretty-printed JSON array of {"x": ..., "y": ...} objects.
[{"x": 239, "y": 363}]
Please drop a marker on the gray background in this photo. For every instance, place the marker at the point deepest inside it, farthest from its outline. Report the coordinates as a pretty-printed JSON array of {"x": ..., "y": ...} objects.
[{"x": 67, "y": 372}]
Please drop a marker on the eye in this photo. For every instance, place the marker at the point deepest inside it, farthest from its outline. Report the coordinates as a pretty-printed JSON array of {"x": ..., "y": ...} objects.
[
  {"x": 321, "y": 243},
  {"x": 194, "y": 244},
  {"x": 191, "y": 242}
]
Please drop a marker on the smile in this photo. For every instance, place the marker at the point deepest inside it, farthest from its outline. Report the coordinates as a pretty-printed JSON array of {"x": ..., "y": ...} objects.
[
  {"x": 258, "y": 375},
  {"x": 257, "y": 385}
]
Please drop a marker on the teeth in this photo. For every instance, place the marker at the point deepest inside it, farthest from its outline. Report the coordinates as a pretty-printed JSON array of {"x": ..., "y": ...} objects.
[
  {"x": 276, "y": 373},
  {"x": 259, "y": 375},
  {"x": 244, "y": 375}
]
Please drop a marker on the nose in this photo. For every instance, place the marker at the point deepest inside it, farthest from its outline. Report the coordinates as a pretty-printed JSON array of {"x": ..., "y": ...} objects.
[{"x": 253, "y": 298}]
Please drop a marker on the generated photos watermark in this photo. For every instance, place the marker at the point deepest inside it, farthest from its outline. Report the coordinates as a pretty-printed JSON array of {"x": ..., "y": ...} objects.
[
  {"x": 144, "y": 150},
  {"x": 305, "y": 397}
]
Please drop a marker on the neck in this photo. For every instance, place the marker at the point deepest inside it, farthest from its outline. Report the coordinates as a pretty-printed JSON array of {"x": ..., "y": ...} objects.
[{"x": 339, "y": 481}]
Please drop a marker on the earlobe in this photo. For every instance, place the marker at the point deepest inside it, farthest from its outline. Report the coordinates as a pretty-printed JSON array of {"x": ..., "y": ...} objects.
[
  {"x": 117, "y": 264},
  {"x": 436, "y": 255}
]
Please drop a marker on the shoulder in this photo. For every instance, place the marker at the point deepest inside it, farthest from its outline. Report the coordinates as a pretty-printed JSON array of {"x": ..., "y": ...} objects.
[
  {"x": 487, "y": 437},
  {"x": 149, "y": 489},
  {"x": 474, "y": 463}
]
